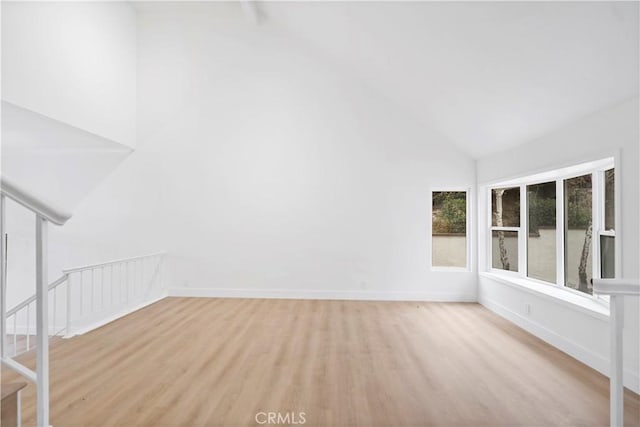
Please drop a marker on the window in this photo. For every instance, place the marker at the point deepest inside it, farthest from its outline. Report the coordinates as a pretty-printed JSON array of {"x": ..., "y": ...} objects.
[
  {"x": 608, "y": 234},
  {"x": 578, "y": 231},
  {"x": 541, "y": 239},
  {"x": 505, "y": 226},
  {"x": 449, "y": 243},
  {"x": 569, "y": 218}
]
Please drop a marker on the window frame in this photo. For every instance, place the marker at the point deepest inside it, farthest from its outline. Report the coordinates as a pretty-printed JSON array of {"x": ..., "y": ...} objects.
[
  {"x": 597, "y": 170},
  {"x": 468, "y": 240},
  {"x": 493, "y": 228},
  {"x": 559, "y": 237},
  {"x": 602, "y": 231}
]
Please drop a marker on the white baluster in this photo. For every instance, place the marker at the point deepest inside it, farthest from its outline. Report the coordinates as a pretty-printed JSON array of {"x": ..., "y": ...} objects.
[
  {"x": 135, "y": 279},
  {"x": 55, "y": 299},
  {"x": 121, "y": 280},
  {"x": 42, "y": 356},
  {"x": 161, "y": 273},
  {"x": 15, "y": 334},
  {"x": 68, "y": 319},
  {"x": 3, "y": 282},
  {"x": 28, "y": 328},
  {"x": 93, "y": 291},
  {"x": 81, "y": 292},
  {"x": 111, "y": 285},
  {"x": 126, "y": 288},
  {"x": 101, "y": 288}
]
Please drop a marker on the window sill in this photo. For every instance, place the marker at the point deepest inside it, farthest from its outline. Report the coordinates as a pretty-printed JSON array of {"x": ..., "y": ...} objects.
[
  {"x": 451, "y": 269},
  {"x": 577, "y": 302}
]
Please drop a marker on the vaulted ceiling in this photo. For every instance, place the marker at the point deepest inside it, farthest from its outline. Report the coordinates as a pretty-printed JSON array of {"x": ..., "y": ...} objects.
[{"x": 488, "y": 75}]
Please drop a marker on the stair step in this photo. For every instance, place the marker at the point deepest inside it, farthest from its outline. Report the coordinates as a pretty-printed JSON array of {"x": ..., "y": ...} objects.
[{"x": 9, "y": 403}]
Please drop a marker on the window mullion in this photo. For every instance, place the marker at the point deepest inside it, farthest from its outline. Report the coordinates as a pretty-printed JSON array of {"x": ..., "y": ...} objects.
[
  {"x": 597, "y": 206},
  {"x": 560, "y": 232},
  {"x": 523, "y": 232},
  {"x": 490, "y": 235}
]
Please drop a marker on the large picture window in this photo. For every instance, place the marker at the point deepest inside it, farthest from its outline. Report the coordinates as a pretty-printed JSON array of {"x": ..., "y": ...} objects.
[
  {"x": 552, "y": 227},
  {"x": 449, "y": 241}
]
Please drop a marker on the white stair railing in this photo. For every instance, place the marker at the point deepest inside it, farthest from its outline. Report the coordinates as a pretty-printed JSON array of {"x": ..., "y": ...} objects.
[
  {"x": 20, "y": 320},
  {"x": 100, "y": 291},
  {"x": 85, "y": 296},
  {"x": 617, "y": 289},
  {"x": 44, "y": 310},
  {"x": 45, "y": 213}
]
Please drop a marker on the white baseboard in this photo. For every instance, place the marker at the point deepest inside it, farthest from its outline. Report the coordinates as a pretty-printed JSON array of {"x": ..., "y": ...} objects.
[
  {"x": 321, "y": 295},
  {"x": 95, "y": 325},
  {"x": 586, "y": 356}
]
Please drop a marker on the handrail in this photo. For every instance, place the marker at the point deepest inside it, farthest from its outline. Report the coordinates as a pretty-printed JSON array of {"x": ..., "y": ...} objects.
[
  {"x": 60, "y": 280},
  {"x": 33, "y": 202},
  {"x": 19, "y": 368},
  {"x": 104, "y": 264},
  {"x": 65, "y": 276},
  {"x": 31, "y": 299},
  {"x": 616, "y": 287}
]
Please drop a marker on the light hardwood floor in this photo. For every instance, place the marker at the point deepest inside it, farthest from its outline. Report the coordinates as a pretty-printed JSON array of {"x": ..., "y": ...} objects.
[{"x": 210, "y": 362}]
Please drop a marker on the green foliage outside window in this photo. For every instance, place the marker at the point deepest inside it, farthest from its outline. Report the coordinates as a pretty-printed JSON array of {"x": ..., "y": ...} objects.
[
  {"x": 578, "y": 202},
  {"x": 450, "y": 212}
]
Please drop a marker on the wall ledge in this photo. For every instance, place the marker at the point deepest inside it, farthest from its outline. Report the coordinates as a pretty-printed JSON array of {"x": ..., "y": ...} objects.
[{"x": 576, "y": 302}]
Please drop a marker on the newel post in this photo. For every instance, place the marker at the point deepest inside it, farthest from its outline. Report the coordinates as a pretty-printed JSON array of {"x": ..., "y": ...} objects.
[{"x": 42, "y": 323}]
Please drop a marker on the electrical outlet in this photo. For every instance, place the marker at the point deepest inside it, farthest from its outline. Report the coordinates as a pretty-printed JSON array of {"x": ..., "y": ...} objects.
[{"x": 527, "y": 309}]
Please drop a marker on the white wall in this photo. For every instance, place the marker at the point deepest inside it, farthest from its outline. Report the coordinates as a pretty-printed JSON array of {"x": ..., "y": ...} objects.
[
  {"x": 68, "y": 103},
  {"x": 264, "y": 171},
  {"x": 577, "y": 332},
  {"x": 74, "y": 62}
]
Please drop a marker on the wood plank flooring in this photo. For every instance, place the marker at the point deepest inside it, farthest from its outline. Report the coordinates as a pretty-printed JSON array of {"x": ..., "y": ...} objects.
[{"x": 219, "y": 362}]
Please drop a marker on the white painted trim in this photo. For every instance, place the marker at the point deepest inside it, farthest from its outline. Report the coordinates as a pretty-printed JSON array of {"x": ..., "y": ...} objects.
[
  {"x": 495, "y": 228},
  {"x": 552, "y": 173},
  {"x": 560, "y": 235},
  {"x": 593, "y": 360},
  {"x": 88, "y": 328},
  {"x": 523, "y": 233},
  {"x": 322, "y": 295}
]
